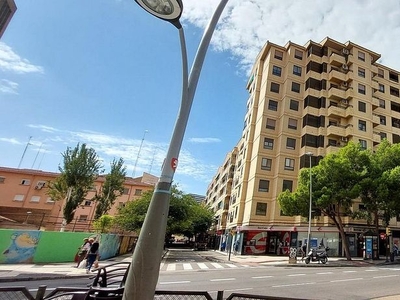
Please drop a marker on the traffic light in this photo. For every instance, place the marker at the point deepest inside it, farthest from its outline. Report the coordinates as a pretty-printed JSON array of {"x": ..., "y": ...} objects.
[{"x": 388, "y": 231}]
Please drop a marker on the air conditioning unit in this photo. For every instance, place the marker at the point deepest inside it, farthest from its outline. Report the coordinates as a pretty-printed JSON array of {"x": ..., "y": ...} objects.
[
  {"x": 344, "y": 83},
  {"x": 344, "y": 139},
  {"x": 345, "y": 67},
  {"x": 345, "y": 51},
  {"x": 344, "y": 101},
  {"x": 40, "y": 185}
]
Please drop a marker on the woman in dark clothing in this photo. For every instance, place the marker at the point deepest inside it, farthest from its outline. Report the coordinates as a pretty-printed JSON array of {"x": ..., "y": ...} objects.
[{"x": 92, "y": 255}]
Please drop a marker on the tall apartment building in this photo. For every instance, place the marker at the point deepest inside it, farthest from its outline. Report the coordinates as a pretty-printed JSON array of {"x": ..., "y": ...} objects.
[
  {"x": 303, "y": 99},
  {"x": 24, "y": 202},
  {"x": 7, "y": 10}
]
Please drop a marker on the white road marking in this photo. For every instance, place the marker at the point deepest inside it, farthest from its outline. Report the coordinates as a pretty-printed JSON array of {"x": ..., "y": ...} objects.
[
  {"x": 174, "y": 282},
  {"x": 260, "y": 277},
  {"x": 187, "y": 267},
  {"x": 202, "y": 266},
  {"x": 349, "y": 271},
  {"x": 171, "y": 267},
  {"x": 217, "y": 265},
  {"x": 294, "y": 284},
  {"x": 244, "y": 289},
  {"x": 223, "y": 279},
  {"x": 231, "y": 265},
  {"x": 385, "y": 276},
  {"x": 293, "y": 275},
  {"x": 324, "y": 273},
  {"x": 349, "y": 279},
  {"x": 371, "y": 270}
]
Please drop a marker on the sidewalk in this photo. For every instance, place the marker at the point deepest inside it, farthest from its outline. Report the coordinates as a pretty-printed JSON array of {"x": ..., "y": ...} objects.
[{"x": 23, "y": 272}]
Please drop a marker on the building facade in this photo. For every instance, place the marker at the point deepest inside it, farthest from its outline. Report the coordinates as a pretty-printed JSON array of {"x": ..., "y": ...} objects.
[
  {"x": 24, "y": 202},
  {"x": 304, "y": 103},
  {"x": 7, "y": 10}
]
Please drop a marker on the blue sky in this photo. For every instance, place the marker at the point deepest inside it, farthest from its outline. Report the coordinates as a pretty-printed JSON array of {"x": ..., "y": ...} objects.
[{"x": 103, "y": 72}]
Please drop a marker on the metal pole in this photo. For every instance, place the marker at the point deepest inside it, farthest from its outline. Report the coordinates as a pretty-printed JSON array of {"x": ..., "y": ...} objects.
[
  {"x": 143, "y": 274},
  {"x": 309, "y": 209},
  {"x": 137, "y": 158},
  {"x": 23, "y": 154}
]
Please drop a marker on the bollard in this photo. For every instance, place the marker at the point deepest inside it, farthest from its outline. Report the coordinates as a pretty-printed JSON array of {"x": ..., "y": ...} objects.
[
  {"x": 40, "y": 292},
  {"x": 293, "y": 255}
]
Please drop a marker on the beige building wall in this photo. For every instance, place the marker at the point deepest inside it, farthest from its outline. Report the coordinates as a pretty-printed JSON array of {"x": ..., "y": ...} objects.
[{"x": 312, "y": 98}]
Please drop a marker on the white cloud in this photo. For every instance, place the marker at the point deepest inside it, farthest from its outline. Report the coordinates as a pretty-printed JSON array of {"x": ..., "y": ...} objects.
[
  {"x": 10, "y": 61},
  {"x": 204, "y": 140},
  {"x": 8, "y": 87},
  {"x": 246, "y": 25},
  {"x": 10, "y": 141}
]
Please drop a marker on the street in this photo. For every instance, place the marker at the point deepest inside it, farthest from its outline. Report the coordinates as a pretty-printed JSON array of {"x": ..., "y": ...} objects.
[{"x": 189, "y": 270}]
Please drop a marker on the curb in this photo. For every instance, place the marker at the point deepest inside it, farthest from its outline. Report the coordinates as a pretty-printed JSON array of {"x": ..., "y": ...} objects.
[{"x": 36, "y": 278}]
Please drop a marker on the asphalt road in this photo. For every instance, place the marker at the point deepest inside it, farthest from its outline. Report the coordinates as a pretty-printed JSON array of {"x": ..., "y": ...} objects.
[{"x": 337, "y": 283}]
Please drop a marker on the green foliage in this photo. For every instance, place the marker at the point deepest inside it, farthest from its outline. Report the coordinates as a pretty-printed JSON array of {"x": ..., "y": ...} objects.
[
  {"x": 104, "y": 223},
  {"x": 113, "y": 187},
  {"x": 80, "y": 170},
  {"x": 186, "y": 216}
]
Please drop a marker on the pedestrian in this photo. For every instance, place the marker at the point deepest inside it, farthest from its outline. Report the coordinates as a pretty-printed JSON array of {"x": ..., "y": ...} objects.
[
  {"x": 303, "y": 251},
  {"x": 92, "y": 254},
  {"x": 83, "y": 250}
]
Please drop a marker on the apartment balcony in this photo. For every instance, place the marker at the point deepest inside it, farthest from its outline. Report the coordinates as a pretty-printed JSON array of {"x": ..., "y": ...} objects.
[
  {"x": 336, "y": 93},
  {"x": 337, "y": 76},
  {"x": 376, "y": 138},
  {"x": 376, "y": 120},
  {"x": 349, "y": 112},
  {"x": 375, "y": 85},
  {"x": 374, "y": 70},
  {"x": 337, "y": 60},
  {"x": 375, "y": 102},
  {"x": 336, "y": 130},
  {"x": 338, "y": 111},
  {"x": 332, "y": 149}
]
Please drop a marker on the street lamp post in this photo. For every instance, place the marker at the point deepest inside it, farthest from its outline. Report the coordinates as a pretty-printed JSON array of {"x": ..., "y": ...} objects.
[
  {"x": 143, "y": 274},
  {"x": 310, "y": 208}
]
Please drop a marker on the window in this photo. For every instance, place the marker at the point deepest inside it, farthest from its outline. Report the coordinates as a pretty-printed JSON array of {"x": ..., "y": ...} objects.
[
  {"x": 87, "y": 203},
  {"x": 361, "y": 56},
  {"x": 298, "y": 54},
  {"x": 382, "y": 103},
  {"x": 270, "y": 124},
  {"x": 263, "y": 185},
  {"x": 362, "y": 125},
  {"x": 272, "y": 105},
  {"x": 2, "y": 179},
  {"x": 266, "y": 164},
  {"x": 361, "y": 72},
  {"x": 268, "y": 143},
  {"x": 361, "y": 88},
  {"x": 82, "y": 218},
  {"x": 362, "y": 106},
  {"x": 291, "y": 143},
  {"x": 294, "y": 105},
  {"x": 297, "y": 70},
  {"x": 278, "y": 55},
  {"x": 35, "y": 199},
  {"x": 289, "y": 164},
  {"x": 393, "y": 77},
  {"x": 126, "y": 191},
  {"x": 19, "y": 198},
  {"x": 292, "y": 123},
  {"x": 383, "y": 135},
  {"x": 363, "y": 144},
  {"x": 276, "y": 71},
  {"x": 138, "y": 192},
  {"x": 381, "y": 88},
  {"x": 295, "y": 87},
  {"x": 382, "y": 120},
  {"x": 381, "y": 73},
  {"x": 25, "y": 182},
  {"x": 287, "y": 185},
  {"x": 274, "y": 87},
  {"x": 261, "y": 209}
]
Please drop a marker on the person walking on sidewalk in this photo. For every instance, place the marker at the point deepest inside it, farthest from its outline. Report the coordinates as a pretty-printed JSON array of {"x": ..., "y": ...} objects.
[
  {"x": 83, "y": 250},
  {"x": 92, "y": 255}
]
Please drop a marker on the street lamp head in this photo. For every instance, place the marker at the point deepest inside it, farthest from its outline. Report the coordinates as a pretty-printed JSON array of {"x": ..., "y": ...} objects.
[
  {"x": 167, "y": 10},
  {"x": 309, "y": 153}
]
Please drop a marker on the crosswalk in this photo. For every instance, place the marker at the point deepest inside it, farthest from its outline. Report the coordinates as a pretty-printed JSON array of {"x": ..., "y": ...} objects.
[{"x": 198, "y": 266}]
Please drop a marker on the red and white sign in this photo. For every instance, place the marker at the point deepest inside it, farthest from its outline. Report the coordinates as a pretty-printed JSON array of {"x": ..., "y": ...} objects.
[{"x": 174, "y": 163}]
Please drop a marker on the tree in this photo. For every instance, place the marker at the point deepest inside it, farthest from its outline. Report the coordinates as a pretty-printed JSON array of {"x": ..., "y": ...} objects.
[
  {"x": 80, "y": 170},
  {"x": 113, "y": 187},
  {"x": 336, "y": 185},
  {"x": 186, "y": 216},
  {"x": 103, "y": 224}
]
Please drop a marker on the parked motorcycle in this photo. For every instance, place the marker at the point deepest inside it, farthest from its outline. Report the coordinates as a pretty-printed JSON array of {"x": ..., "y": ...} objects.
[{"x": 319, "y": 255}]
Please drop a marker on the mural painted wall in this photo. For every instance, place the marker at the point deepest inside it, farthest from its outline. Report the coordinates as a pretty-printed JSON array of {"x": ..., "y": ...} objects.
[{"x": 33, "y": 246}]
